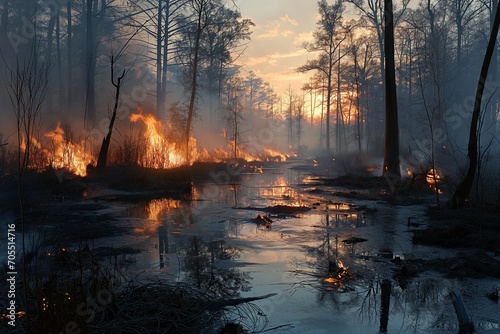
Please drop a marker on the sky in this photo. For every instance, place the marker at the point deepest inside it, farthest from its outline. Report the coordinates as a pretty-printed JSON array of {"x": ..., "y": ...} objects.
[{"x": 275, "y": 51}]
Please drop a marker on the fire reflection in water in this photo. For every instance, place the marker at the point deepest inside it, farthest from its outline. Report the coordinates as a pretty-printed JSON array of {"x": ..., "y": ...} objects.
[{"x": 156, "y": 209}]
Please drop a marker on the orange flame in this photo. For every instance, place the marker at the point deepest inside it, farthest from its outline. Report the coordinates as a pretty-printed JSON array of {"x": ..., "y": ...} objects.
[
  {"x": 164, "y": 152},
  {"x": 66, "y": 154},
  {"x": 433, "y": 178},
  {"x": 277, "y": 155},
  {"x": 336, "y": 278},
  {"x": 160, "y": 152}
]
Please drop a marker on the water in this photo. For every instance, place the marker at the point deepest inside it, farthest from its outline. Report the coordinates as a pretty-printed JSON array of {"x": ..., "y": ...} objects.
[
  {"x": 322, "y": 281},
  {"x": 213, "y": 242}
]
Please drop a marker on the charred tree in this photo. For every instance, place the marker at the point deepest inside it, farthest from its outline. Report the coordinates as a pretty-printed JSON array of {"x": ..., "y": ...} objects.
[
  {"x": 463, "y": 189},
  {"x": 103, "y": 153},
  {"x": 391, "y": 146}
]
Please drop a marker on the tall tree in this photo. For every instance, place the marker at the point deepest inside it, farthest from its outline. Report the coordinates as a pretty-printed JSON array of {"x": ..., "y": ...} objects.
[
  {"x": 90, "y": 63},
  {"x": 463, "y": 14},
  {"x": 69, "y": 47},
  {"x": 162, "y": 20},
  {"x": 234, "y": 108},
  {"x": 222, "y": 42},
  {"x": 463, "y": 189},
  {"x": 159, "y": 33},
  {"x": 391, "y": 146},
  {"x": 375, "y": 14},
  {"x": 202, "y": 9},
  {"x": 27, "y": 88},
  {"x": 328, "y": 36}
]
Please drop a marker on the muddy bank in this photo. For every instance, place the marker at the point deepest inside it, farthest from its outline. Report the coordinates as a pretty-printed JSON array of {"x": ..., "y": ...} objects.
[
  {"x": 472, "y": 235},
  {"x": 462, "y": 228},
  {"x": 51, "y": 189},
  {"x": 407, "y": 191}
]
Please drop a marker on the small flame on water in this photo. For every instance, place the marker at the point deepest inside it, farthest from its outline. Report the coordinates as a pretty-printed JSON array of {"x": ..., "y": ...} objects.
[
  {"x": 433, "y": 178},
  {"x": 336, "y": 277}
]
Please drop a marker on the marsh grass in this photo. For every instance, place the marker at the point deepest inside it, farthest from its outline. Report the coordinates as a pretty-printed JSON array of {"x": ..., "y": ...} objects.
[{"x": 82, "y": 290}]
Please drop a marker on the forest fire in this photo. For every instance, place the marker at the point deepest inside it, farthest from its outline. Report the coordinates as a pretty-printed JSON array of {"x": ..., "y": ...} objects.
[
  {"x": 277, "y": 155},
  {"x": 160, "y": 151},
  {"x": 66, "y": 154},
  {"x": 61, "y": 154}
]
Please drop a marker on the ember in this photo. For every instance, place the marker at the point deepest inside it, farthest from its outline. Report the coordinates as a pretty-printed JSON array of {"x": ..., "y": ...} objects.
[{"x": 433, "y": 178}]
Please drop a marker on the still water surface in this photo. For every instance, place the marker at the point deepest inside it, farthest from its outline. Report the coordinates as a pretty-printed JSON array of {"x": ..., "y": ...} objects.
[{"x": 323, "y": 281}]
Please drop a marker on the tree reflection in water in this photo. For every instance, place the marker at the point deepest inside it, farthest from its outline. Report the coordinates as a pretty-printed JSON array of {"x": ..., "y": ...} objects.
[
  {"x": 356, "y": 290},
  {"x": 205, "y": 268}
]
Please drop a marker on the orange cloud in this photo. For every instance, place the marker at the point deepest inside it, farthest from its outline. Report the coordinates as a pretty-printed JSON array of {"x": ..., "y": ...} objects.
[{"x": 278, "y": 28}]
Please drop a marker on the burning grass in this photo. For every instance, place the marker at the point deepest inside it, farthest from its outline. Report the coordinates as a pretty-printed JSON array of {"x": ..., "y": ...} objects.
[
  {"x": 326, "y": 275},
  {"x": 151, "y": 144}
]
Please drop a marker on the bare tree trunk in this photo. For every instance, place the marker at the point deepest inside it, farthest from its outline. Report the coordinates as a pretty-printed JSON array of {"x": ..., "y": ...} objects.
[
  {"x": 358, "y": 104},
  {"x": 339, "y": 116},
  {"x": 90, "y": 62},
  {"x": 194, "y": 82},
  {"x": 70, "y": 56},
  {"x": 322, "y": 114},
  {"x": 103, "y": 153},
  {"x": 50, "y": 47},
  {"x": 50, "y": 37},
  {"x": 385, "y": 287},
  {"x": 163, "y": 91},
  {"x": 299, "y": 126},
  {"x": 58, "y": 52},
  {"x": 391, "y": 146},
  {"x": 463, "y": 189},
  {"x": 328, "y": 97},
  {"x": 158, "y": 57}
]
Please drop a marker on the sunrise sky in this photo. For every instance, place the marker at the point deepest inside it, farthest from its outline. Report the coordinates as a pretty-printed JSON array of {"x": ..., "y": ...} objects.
[{"x": 275, "y": 51}]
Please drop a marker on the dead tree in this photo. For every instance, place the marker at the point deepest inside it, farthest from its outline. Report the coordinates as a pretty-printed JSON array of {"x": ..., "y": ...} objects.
[{"x": 103, "y": 153}]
